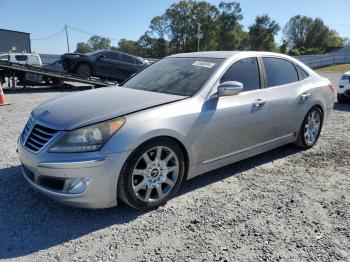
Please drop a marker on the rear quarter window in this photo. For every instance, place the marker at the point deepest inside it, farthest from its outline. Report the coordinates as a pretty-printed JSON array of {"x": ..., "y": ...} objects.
[
  {"x": 137, "y": 61},
  {"x": 127, "y": 59},
  {"x": 279, "y": 71},
  {"x": 301, "y": 73}
]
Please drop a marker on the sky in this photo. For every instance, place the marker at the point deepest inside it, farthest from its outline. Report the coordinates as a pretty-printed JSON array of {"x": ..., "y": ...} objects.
[{"x": 130, "y": 18}]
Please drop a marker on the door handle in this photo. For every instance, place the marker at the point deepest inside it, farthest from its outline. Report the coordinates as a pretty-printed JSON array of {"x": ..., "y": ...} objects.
[
  {"x": 305, "y": 96},
  {"x": 259, "y": 102}
]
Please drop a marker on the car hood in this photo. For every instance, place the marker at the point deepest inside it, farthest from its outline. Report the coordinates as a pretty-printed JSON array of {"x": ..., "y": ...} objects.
[{"x": 89, "y": 107}]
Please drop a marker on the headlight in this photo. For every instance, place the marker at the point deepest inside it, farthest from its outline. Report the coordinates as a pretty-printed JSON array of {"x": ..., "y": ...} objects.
[{"x": 86, "y": 139}]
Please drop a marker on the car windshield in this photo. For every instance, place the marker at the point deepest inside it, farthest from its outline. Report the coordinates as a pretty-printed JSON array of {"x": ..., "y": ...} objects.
[{"x": 178, "y": 76}]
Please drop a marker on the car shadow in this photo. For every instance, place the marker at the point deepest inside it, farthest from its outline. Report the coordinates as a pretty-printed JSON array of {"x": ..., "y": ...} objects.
[
  {"x": 342, "y": 107},
  {"x": 30, "y": 222}
]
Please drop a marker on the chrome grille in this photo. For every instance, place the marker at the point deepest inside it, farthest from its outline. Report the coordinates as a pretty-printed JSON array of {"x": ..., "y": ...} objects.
[
  {"x": 36, "y": 136},
  {"x": 27, "y": 129}
]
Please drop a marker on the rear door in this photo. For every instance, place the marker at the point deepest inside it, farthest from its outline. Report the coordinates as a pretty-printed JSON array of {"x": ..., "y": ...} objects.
[
  {"x": 128, "y": 66},
  {"x": 234, "y": 124},
  {"x": 288, "y": 98},
  {"x": 107, "y": 63}
]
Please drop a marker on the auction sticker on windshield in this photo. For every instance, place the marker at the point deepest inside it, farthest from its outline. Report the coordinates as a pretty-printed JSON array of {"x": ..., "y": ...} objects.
[{"x": 203, "y": 64}]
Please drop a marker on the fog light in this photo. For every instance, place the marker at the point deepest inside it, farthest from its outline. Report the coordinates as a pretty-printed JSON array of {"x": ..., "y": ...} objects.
[{"x": 77, "y": 185}]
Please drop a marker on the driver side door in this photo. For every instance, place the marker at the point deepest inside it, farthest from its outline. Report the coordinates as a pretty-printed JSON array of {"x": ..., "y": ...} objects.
[{"x": 234, "y": 124}]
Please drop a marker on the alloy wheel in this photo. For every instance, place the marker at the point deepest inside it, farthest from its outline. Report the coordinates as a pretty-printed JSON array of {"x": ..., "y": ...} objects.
[
  {"x": 155, "y": 174},
  {"x": 84, "y": 70},
  {"x": 312, "y": 127}
]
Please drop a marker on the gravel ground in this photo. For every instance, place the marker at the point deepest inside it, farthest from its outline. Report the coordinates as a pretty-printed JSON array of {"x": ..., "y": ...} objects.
[{"x": 282, "y": 205}]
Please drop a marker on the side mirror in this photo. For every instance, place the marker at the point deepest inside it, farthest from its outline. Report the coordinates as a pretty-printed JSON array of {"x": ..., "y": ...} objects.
[{"x": 229, "y": 88}]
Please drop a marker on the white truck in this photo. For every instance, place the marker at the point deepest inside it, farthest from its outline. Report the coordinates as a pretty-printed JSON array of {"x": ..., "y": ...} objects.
[
  {"x": 343, "y": 90},
  {"x": 22, "y": 58}
]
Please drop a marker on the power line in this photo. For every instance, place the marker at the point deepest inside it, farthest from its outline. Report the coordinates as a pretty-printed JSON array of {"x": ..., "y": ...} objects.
[
  {"x": 89, "y": 33},
  {"x": 49, "y": 37}
]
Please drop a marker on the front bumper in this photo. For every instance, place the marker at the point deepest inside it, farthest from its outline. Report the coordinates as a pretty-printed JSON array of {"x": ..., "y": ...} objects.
[{"x": 49, "y": 173}]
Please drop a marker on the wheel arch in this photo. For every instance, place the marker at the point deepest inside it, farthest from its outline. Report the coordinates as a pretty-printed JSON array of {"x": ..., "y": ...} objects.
[
  {"x": 318, "y": 105},
  {"x": 179, "y": 143}
]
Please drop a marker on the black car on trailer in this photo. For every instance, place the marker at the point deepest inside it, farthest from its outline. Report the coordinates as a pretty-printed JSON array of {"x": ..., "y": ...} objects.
[{"x": 104, "y": 64}]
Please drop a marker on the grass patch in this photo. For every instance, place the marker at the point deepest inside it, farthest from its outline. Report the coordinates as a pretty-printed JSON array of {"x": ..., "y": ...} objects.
[{"x": 334, "y": 69}]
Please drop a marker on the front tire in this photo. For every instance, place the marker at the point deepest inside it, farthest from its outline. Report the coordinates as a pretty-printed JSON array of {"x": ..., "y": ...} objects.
[
  {"x": 83, "y": 70},
  {"x": 310, "y": 129},
  {"x": 152, "y": 174}
]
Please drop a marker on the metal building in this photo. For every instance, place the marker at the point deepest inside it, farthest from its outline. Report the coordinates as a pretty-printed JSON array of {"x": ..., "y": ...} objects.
[{"x": 13, "y": 39}]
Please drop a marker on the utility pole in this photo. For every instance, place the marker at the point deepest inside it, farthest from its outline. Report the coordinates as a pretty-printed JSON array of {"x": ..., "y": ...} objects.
[
  {"x": 66, "y": 28},
  {"x": 199, "y": 35}
]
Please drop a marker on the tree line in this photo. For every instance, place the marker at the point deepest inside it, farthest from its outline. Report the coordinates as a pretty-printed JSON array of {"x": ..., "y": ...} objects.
[{"x": 220, "y": 28}]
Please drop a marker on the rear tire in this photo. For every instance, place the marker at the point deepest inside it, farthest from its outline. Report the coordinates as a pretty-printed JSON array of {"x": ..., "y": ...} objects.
[
  {"x": 152, "y": 174},
  {"x": 310, "y": 129},
  {"x": 83, "y": 70}
]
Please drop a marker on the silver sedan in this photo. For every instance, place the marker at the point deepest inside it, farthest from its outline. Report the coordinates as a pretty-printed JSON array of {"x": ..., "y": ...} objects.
[{"x": 182, "y": 116}]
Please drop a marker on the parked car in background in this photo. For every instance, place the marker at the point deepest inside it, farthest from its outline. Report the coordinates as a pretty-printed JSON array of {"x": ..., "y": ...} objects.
[
  {"x": 104, "y": 64},
  {"x": 183, "y": 116},
  {"x": 22, "y": 58},
  {"x": 343, "y": 90}
]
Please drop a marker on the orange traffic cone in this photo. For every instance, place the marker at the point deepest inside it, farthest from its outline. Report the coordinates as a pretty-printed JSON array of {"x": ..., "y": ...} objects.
[{"x": 2, "y": 96}]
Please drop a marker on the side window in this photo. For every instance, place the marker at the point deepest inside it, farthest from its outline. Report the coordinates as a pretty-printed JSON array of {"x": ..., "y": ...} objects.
[
  {"x": 21, "y": 57},
  {"x": 301, "y": 72},
  {"x": 127, "y": 59},
  {"x": 112, "y": 56},
  {"x": 245, "y": 71},
  {"x": 279, "y": 71},
  {"x": 137, "y": 61}
]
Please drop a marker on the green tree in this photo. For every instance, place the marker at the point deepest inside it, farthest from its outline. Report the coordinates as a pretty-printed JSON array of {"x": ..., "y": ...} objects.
[
  {"x": 303, "y": 33},
  {"x": 283, "y": 48},
  {"x": 231, "y": 35},
  {"x": 83, "y": 48},
  {"x": 97, "y": 43},
  {"x": 158, "y": 27},
  {"x": 153, "y": 47},
  {"x": 94, "y": 43},
  {"x": 296, "y": 31},
  {"x": 182, "y": 21},
  {"x": 130, "y": 47},
  {"x": 154, "y": 40},
  {"x": 205, "y": 16},
  {"x": 262, "y": 34}
]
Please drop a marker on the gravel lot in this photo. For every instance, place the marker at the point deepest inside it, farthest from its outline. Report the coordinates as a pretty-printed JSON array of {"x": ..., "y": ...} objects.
[{"x": 282, "y": 205}]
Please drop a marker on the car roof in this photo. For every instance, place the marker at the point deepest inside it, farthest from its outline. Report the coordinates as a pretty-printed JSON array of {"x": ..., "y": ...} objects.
[
  {"x": 227, "y": 54},
  {"x": 207, "y": 54},
  {"x": 346, "y": 73}
]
